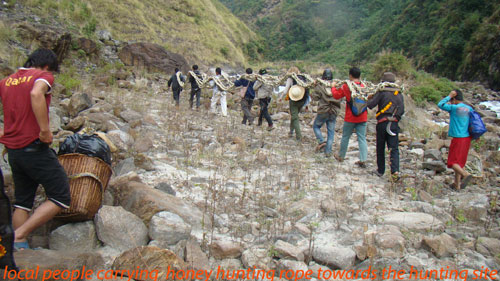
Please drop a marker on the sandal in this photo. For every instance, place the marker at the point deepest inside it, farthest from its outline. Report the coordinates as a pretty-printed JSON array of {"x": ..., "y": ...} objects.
[
  {"x": 465, "y": 182},
  {"x": 320, "y": 146},
  {"x": 19, "y": 246},
  {"x": 453, "y": 186},
  {"x": 338, "y": 158},
  {"x": 361, "y": 164}
]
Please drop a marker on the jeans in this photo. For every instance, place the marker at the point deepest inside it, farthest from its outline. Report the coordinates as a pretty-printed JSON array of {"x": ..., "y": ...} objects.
[
  {"x": 392, "y": 144},
  {"x": 197, "y": 93},
  {"x": 264, "y": 113},
  {"x": 246, "y": 106},
  {"x": 346, "y": 134},
  {"x": 295, "y": 107},
  {"x": 321, "y": 119},
  {"x": 177, "y": 95}
]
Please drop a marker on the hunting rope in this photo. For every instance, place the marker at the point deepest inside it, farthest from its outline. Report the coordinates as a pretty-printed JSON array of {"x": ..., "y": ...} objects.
[{"x": 357, "y": 91}]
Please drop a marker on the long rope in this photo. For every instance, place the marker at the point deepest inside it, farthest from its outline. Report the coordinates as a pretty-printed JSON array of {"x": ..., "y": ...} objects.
[{"x": 225, "y": 84}]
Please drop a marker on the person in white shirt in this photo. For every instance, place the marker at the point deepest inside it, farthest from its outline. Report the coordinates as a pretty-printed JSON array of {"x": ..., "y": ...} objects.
[{"x": 218, "y": 94}]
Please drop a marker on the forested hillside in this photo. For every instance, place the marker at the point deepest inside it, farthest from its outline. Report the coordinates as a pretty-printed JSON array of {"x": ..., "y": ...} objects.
[
  {"x": 459, "y": 39},
  {"x": 201, "y": 30}
]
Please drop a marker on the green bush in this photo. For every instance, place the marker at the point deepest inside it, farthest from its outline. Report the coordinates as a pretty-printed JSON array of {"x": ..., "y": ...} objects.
[
  {"x": 429, "y": 88},
  {"x": 224, "y": 51},
  {"x": 69, "y": 79},
  {"x": 393, "y": 62},
  {"x": 90, "y": 27}
]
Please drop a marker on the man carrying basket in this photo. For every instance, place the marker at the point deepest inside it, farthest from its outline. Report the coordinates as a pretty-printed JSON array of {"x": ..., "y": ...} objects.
[{"x": 26, "y": 134}]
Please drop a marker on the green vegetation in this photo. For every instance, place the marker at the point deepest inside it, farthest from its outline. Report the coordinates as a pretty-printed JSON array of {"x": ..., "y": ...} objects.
[
  {"x": 451, "y": 38},
  {"x": 197, "y": 29},
  {"x": 68, "y": 78},
  {"x": 430, "y": 88}
]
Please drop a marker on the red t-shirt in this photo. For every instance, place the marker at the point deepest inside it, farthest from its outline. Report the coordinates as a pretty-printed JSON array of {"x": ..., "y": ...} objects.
[
  {"x": 20, "y": 125},
  {"x": 349, "y": 116}
]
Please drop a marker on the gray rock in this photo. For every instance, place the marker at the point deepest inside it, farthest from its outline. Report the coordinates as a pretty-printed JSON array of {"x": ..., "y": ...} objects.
[
  {"x": 256, "y": 257},
  {"x": 120, "y": 139},
  {"x": 168, "y": 227},
  {"x": 334, "y": 257},
  {"x": 78, "y": 103},
  {"x": 195, "y": 257},
  {"x": 442, "y": 246},
  {"x": 437, "y": 166},
  {"x": 104, "y": 35},
  {"x": 425, "y": 196},
  {"x": 473, "y": 206},
  {"x": 489, "y": 247},
  {"x": 120, "y": 229},
  {"x": 390, "y": 240},
  {"x": 433, "y": 154},
  {"x": 286, "y": 250},
  {"x": 413, "y": 221},
  {"x": 75, "y": 124},
  {"x": 130, "y": 115},
  {"x": 143, "y": 144},
  {"x": 416, "y": 144},
  {"x": 74, "y": 237},
  {"x": 125, "y": 166},
  {"x": 294, "y": 266},
  {"x": 165, "y": 187},
  {"x": 230, "y": 264},
  {"x": 55, "y": 121}
]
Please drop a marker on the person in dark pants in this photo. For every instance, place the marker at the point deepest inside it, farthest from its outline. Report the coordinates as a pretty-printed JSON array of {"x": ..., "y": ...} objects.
[
  {"x": 390, "y": 104},
  {"x": 264, "y": 93},
  {"x": 177, "y": 83},
  {"x": 247, "y": 100},
  {"x": 26, "y": 134},
  {"x": 195, "y": 88}
]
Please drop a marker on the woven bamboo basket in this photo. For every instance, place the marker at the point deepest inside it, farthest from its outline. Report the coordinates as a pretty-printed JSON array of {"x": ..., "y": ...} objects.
[{"x": 88, "y": 179}]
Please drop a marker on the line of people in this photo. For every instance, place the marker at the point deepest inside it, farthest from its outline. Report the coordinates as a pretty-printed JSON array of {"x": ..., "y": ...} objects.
[{"x": 389, "y": 101}]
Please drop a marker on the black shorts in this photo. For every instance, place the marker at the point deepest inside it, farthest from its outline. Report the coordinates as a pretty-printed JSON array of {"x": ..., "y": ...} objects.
[{"x": 37, "y": 164}]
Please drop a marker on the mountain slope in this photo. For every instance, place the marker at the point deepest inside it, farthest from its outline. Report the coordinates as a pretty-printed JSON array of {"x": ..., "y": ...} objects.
[
  {"x": 201, "y": 30},
  {"x": 437, "y": 35}
]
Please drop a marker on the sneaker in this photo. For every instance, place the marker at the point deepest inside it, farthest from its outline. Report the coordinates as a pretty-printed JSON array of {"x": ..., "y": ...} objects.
[
  {"x": 361, "y": 164},
  {"x": 270, "y": 128}
]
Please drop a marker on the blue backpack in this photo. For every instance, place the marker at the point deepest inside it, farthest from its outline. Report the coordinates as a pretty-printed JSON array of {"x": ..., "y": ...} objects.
[
  {"x": 476, "y": 125},
  {"x": 357, "y": 105}
]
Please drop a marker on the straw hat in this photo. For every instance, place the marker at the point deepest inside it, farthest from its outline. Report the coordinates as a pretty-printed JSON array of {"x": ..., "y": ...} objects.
[{"x": 296, "y": 92}]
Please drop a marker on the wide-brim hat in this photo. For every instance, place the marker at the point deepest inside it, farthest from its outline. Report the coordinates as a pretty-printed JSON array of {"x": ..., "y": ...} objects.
[
  {"x": 296, "y": 92},
  {"x": 389, "y": 77}
]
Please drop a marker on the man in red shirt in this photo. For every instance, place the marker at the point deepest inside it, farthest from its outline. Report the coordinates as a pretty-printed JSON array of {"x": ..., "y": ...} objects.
[
  {"x": 351, "y": 121},
  {"x": 26, "y": 135}
]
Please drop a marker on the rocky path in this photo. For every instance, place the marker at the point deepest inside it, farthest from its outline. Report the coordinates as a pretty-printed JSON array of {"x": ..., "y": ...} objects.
[{"x": 215, "y": 192}]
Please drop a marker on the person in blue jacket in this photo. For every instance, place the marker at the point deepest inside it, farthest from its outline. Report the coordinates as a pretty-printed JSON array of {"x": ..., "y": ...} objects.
[{"x": 459, "y": 131}]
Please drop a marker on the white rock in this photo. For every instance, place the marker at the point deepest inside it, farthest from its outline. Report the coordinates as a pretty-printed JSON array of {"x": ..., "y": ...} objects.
[
  {"x": 168, "y": 227},
  {"x": 75, "y": 236}
]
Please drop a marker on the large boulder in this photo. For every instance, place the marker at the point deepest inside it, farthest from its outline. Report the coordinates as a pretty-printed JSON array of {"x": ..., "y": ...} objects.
[
  {"x": 120, "y": 229},
  {"x": 224, "y": 249},
  {"x": 78, "y": 103},
  {"x": 47, "y": 36},
  {"x": 413, "y": 221},
  {"x": 152, "y": 57},
  {"x": 168, "y": 227},
  {"x": 145, "y": 201},
  {"x": 87, "y": 45},
  {"x": 152, "y": 259},
  {"x": 286, "y": 250},
  {"x": 196, "y": 258},
  {"x": 76, "y": 236}
]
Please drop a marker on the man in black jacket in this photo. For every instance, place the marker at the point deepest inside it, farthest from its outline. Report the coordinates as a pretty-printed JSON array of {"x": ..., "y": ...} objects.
[
  {"x": 195, "y": 88},
  {"x": 390, "y": 104},
  {"x": 177, "y": 82}
]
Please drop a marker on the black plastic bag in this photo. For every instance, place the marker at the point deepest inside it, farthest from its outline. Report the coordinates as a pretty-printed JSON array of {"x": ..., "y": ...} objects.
[
  {"x": 90, "y": 145},
  {"x": 6, "y": 231}
]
